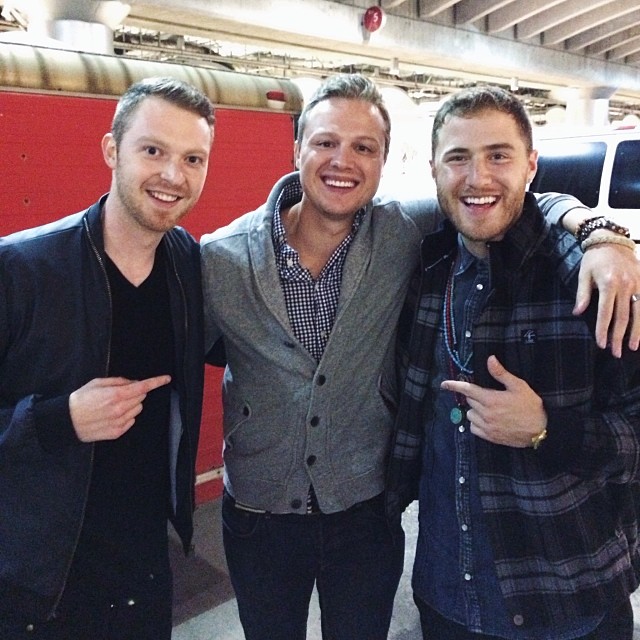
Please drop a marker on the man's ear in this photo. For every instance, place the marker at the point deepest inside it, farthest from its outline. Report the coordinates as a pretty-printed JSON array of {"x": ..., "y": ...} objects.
[
  {"x": 296, "y": 154},
  {"x": 109, "y": 150},
  {"x": 533, "y": 165}
]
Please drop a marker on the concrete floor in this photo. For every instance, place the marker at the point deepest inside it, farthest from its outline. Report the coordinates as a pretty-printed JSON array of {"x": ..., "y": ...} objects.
[{"x": 205, "y": 607}]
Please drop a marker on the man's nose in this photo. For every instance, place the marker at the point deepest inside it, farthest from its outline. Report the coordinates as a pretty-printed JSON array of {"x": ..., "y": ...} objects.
[
  {"x": 479, "y": 171},
  {"x": 172, "y": 172},
  {"x": 342, "y": 156}
]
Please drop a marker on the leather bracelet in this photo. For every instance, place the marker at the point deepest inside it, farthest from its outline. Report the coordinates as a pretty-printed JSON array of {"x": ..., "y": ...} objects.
[
  {"x": 536, "y": 440},
  {"x": 588, "y": 226},
  {"x": 621, "y": 240}
]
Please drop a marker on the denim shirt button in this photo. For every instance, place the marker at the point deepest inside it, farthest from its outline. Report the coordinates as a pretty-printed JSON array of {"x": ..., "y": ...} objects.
[{"x": 518, "y": 620}]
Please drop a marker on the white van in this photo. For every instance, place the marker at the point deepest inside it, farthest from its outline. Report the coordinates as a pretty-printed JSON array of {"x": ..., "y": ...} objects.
[{"x": 601, "y": 169}]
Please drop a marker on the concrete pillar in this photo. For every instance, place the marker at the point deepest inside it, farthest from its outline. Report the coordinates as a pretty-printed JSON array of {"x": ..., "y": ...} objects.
[
  {"x": 80, "y": 25},
  {"x": 586, "y": 106}
]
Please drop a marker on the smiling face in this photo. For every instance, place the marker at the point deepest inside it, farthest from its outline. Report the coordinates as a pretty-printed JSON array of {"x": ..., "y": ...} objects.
[
  {"x": 340, "y": 157},
  {"x": 481, "y": 166},
  {"x": 160, "y": 166}
]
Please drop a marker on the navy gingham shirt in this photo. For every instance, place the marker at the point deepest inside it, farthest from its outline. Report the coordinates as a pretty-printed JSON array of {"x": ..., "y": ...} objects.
[{"x": 311, "y": 304}]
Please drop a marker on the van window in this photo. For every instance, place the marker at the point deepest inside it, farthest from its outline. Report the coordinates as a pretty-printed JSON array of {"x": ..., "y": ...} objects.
[
  {"x": 624, "y": 192},
  {"x": 571, "y": 167}
]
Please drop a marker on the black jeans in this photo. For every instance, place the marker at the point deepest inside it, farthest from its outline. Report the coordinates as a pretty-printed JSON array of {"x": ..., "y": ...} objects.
[
  {"x": 354, "y": 557},
  {"x": 617, "y": 625},
  {"x": 143, "y": 614}
]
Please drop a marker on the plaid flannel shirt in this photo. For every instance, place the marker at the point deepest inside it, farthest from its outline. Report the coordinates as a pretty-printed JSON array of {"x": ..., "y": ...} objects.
[{"x": 562, "y": 519}]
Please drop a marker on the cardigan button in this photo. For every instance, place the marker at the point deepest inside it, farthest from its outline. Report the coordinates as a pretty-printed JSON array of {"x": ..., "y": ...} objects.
[{"x": 296, "y": 503}]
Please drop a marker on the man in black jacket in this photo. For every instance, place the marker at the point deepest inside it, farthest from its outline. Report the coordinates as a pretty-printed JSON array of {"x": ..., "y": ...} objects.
[{"x": 101, "y": 376}]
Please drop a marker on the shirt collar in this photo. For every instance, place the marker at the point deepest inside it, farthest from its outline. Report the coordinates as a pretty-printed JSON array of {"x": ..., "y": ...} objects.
[
  {"x": 465, "y": 259},
  {"x": 290, "y": 195}
]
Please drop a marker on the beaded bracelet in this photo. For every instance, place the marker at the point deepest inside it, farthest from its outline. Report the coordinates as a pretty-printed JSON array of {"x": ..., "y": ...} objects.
[
  {"x": 621, "y": 240},
  {"x": 586, "y": 227}
]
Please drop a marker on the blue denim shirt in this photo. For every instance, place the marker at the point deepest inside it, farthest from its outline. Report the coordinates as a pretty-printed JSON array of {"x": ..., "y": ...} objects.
[{"x": 454, "y": 567}]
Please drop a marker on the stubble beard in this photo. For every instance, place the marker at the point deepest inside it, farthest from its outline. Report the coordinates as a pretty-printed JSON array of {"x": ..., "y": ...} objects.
[
  {"x": 135, "y": 210},
  {"x": 479, "y": 233}
]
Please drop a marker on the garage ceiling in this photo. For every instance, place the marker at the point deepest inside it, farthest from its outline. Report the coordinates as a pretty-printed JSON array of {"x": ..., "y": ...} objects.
[{"x": 429, "y": 47}]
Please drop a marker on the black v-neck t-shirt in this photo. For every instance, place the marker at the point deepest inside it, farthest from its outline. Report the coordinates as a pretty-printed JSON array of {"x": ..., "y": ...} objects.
[{"x": 125, "y": 527}]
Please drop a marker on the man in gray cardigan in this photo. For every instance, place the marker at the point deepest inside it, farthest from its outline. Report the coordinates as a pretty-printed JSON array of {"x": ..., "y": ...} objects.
[{"x": 305, "y": 293}]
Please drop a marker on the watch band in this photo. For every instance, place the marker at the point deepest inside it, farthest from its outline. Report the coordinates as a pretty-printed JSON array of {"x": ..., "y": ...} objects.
[{"x": 536, "y": 440}]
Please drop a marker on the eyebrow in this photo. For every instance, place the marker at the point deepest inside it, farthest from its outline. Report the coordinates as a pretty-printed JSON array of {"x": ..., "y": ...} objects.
[
  {"x": 500, "y": 145},
  {"x": 490, "y": 147},
  {"x": 157, "y": 142},
  {"x": 338, "y": 134}
]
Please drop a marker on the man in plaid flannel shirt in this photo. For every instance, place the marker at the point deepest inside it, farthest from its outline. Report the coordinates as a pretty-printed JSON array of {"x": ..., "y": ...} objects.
[{"x": 518, "y": 433}]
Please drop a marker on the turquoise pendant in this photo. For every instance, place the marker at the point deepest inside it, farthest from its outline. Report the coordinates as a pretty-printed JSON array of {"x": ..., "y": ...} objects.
[{"x": 456, "y": 415}]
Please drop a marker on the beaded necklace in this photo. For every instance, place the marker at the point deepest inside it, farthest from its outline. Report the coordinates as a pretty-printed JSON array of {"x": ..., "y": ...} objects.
[
  {"x": 449, "y": 324},
  {"x": 457, "y": 369}
]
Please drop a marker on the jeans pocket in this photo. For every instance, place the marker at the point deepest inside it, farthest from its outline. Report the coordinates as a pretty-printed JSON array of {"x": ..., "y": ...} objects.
[
  {"x": 372, "y": 509},
  {"x": 237, "y": 521}
]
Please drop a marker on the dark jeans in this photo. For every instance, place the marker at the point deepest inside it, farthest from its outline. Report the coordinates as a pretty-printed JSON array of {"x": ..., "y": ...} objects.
[
  {"x": 354, "y": 557},
  {"x": 143, "y": 615},
  {"x": 617, "y": 625}
]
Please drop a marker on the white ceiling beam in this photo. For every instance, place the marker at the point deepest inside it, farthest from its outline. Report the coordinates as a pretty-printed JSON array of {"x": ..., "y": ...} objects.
[
  {"x": 634, "y": 59},
  {"x": 613, "y": 41},
  {"x": 430, "y": 8},
  {"x": 516, "y": 12},
  {"x": 468, "y": 11},
  {"x": 628, "y": 49},
  {"x": 602, "y": 31},
  {"x": 588, "y": 20},
  {"x": 556, "y": 16}
]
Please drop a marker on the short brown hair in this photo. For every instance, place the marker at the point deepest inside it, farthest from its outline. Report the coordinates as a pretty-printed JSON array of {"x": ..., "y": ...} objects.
[
  {"x": 468, "y": 102},
  {"x": 179, "y": 93},
  {"x": 351, "y": 86}
]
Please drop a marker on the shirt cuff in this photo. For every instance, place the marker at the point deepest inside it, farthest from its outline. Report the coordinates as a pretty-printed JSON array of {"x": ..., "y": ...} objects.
[
  {"x": 565, "y": 437},
  {"x": 53, "y": 423}
]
